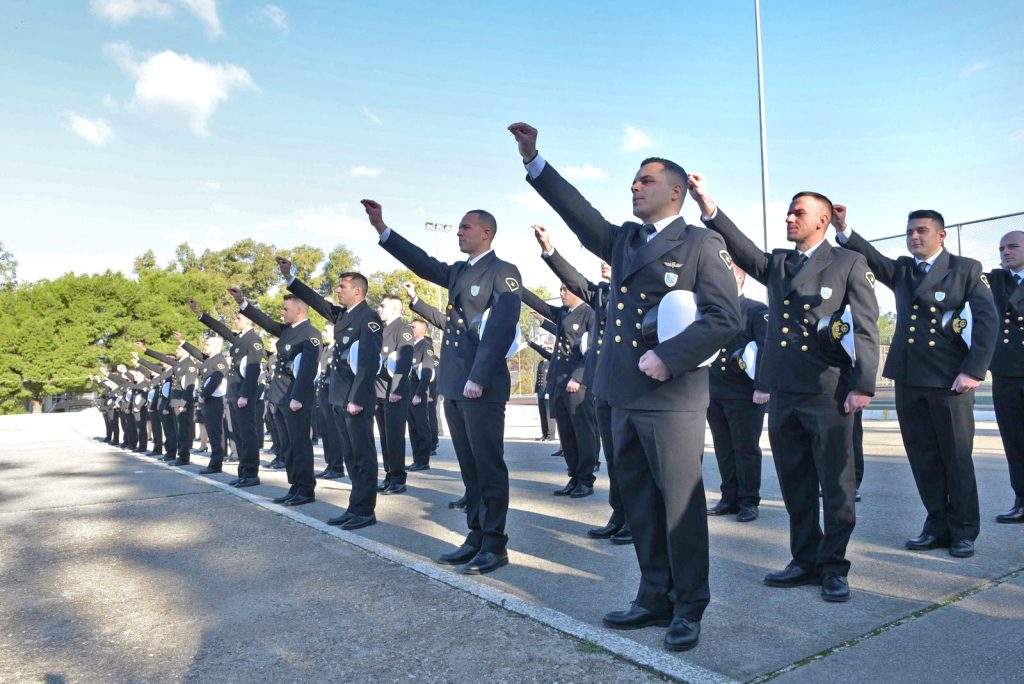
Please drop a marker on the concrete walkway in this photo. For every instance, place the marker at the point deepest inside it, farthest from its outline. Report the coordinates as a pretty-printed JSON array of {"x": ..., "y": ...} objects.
[{"x": 116, "y": 568}]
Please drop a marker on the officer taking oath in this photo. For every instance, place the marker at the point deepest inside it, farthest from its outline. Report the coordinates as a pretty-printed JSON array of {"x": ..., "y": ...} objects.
[
  {"x": 937, "y": 362},
  {"x": 820, "y": 361},
  {"x": 481, "y": 324},
  {"x": 658, "y": 388}
]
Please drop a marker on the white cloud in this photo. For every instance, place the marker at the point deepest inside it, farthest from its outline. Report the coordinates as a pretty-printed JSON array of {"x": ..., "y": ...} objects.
[
  {"x": 110, "y": 102},
  {"x": 180, "y": 85},
  {"x": 275, "y": 15},
  {"x": 634, "y": 139},
  {"x": 584, "y": 172},
  {"x": 212, "y": 186},
  {"x": 975, "y": 67},
  {"x": 364, "y": 171},
  {"x": 528, "y": 199},
  {"x": 373, "y": 118},
  {"x": 95, "y": 131},
  {"x": 331, "y": 220},
  {"x": 120, "y": 11}
]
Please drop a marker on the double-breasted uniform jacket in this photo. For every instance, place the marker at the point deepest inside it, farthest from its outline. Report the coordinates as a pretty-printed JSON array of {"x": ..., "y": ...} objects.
[
  {"x": 423, "y": 364},
  {"x": 680, "y": 257},
  {"x": 397, "y": 340},
  {"x": 297, "y": 359},
  {"x": 323, "y": 381},
  {"x": 568, "y": 360},
  {"x": 184, "y": 375},
  {"x": 729, "y": 379},
  {"x": 360, "y": 324},
  {"x": 212, "y": 371},
  {"x": 923, "y": 352},
  {"x": 246, "y": 352},
  {"x": 596, "y": 295},
  {"x": 540, "y": 385},
  {"x": 490, "y": 285},
  {"x": 795, "y": 360},
  {"x": 160, "y": 389},
  {"x": 1008, "y": 358}
]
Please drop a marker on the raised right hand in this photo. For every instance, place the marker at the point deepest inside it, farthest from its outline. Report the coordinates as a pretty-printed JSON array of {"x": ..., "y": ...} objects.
[
  {"x": 543, "y": 238},
  {"x": 410, "y": 289},
  {"x": 192, "y": 304},
  {"x": 285, "y": 265},
  {"x": 236, "y": 294},
  {"x": 526, "y": 137},
  {"x": 375, "y": 213}
]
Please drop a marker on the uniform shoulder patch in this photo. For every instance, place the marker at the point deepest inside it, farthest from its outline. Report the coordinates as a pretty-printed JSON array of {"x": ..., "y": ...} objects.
[
  {"x": 258, "y": 346},
  {"x": 220, "y": 366},
  {"x": 430, "y": 352},
  {"x": 406, "y": 336},
  {"x": 512, "y": 283},
  {"x": 766, "y": 317},
  {"x": 984, "y": 279},
  {"x": 725, "y": 257},
  {"x": 374, "y": 327},
  {"x": 315, "y": 341},
  {"x": 871, "y": 278}
]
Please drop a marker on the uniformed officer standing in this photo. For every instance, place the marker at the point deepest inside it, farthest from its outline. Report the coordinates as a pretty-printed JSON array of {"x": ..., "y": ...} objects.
[
  {"x": 540, "y": 388},
  {"x": 211, "y": 388},
  {"x": 298, "y": 355},
  {"x": 659, "y": 393},
  {"x": 160, "y": 375},
  {"x": 573, "y": 402},
  {"x": 180, "y": 401},
  {"x": 327, "y": 421},
  {"x": 936, "y": 371},
  {"x": 473, "y": 377},
  {"x": 816, "y": 386},
  {"x": 736, "y": 412},
  {"x": 393, "y": 393},
  {"x": 246, "y": 349},
  {"x": 423, "y": 364},
  {"x": 1008, "y": 365}
]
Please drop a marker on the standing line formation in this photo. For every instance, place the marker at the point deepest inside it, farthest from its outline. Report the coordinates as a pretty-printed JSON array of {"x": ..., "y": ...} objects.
[{"x": 663, "y": 343}]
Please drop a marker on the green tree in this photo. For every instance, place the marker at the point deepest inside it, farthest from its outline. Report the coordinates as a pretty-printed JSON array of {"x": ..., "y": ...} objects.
[
  {"x": 340, "y": 260},
  {"x": 306, "y": 262},
  {"x": 247, "y": 264},
  {"x": 8, "y": 270},
  {"x": 886, "y": 327},
  {"x": 185, "y": 259},
  {"x": 144, "y": 262}
]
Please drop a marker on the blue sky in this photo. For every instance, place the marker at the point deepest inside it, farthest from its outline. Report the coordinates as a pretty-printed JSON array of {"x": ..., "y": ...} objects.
[{"x": 136, "y": 124}]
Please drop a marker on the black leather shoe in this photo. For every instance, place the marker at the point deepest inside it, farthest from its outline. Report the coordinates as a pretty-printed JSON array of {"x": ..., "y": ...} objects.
[
  {"x": 636, "y": 617},
  {"x": 835, "y": 589},
  {"x": 209, "y": 471},
  {"x": 1012, "y": 516},
  {"x": 484, "y": 562},
  {"x": 341, "y": 519},
  {"x": 334, "y": 475},
  {"x": 792, "y": 576},
  {"x": 232, "y": 482},
  {"x": 282, "y": 499},
  {"x": 276, "y": 465},
  {"x": 359, "y": 522},
  {"x": 559, "y": 454},
  {"x": 463, "y": 554},
  {"x": 566, "y": 490},
  {"x": 747, "y": 514},
  {"x": 724, "y": 508},
  {"x": 961, "y": 548},
  {"x": 169, "y": 459},
  {"x": 247, "y": 482},
  {"x": 597, "y": 467},
  {"x": 856, "y": 496},
  {"x": 395, "y": 488},
  {"x": 923, "y": 542},
  {"x": 298, "y": 500},
  {"x": 383, "y": 485},
  {"x": 623, "y": 536},
  {"x": 581, "y": 491},
  {"x": 458, "y": 503},
  {"x": 605, "y": 532},
  {"x": 322, "y": 473},
  {"x": 683, "y": 634},
  {"x": 417, "y": 467},
  {"x": 180, "y": 462}
]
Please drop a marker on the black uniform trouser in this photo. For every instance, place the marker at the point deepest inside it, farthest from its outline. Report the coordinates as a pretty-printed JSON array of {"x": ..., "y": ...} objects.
[
  {"x": 858, "y": 446},
  {"x": 282, "y": 440},
  {"x": 577, "y": 427},
  {"x": 360, "y": 457},
  {"x": 812, "y": 443},
  {"x": 131, "y": 435},
  {"x": 213, "y": 414},
  {"x": 545, "y": 414},
  {"x": 142, "y": 434},
  {"x": 435, "y": 427},
  {"x": 170, "y": 424},
  {"x": 330, "y": 433},
  {"x": 186, "y": 432},
  {"x": 1008, "y": 398},
  {"x": 110, "y": 426},
  {"x": 736, "y": 426},
  {"x": 603, "y": 415},
  {"x": 391, "y": 419},
  {"x": 938, "y": 435},
  {"x": 245, "y": 424},
  {"x": 419, "y": 432},
  {"x": 298, "y": 461},
  {"x": 158, "y": 431},
  {"x": 478, "y": 434}
]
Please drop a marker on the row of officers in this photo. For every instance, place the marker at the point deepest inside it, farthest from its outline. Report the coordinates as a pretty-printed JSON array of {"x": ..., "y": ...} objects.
[{"x": 663, "y": 343}]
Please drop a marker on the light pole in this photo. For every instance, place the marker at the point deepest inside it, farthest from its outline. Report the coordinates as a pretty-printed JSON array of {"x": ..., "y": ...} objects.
[
  {"x": 764, "y": 133},
  {"x": 437, "y": 229}
]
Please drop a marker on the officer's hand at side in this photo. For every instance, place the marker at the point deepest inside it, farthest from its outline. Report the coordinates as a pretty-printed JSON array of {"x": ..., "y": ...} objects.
[
  {"x": 965, "y": 383},
  {"x": 375, "y": 213},
  {"x": 354, "y": 409},
  {"x": 856, "y": 401},
  {"x": 416, "y": 401},
  {"x": 572, "y": 387},
  {"x": 285, "y": 265},
  {"x": 653, "y": 367},
  {"x": 294, "y": 405},
  {"x": 760, "y": 398},
  {"x": 472, "y": 390},
  {"x": 242, "y": 402},
  {"x": 394, "y": 398},
  {"x": 526, "y": 137}
]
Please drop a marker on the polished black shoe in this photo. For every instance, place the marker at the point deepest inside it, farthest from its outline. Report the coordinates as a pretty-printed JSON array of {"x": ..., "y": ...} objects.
[
  {"x": 209, "y": 471},
  {"x": 923, "y": 542},
  {"x": 180, "y": 462},
  {"x": 724, "y": 508},
  {"x": 276, "y": 465},
  {"x": 341, "y": 519},
  {"x": 153, "y": 453},
  {"x": 395, "y": 488},
  {"x": 458, "y": 503},
  {"x": 683, "y": 634},
  {"x": 463, "y": 554},
  {"x": 247, "y": 482},
  {"x": 792, "y": 576},
  {"x": 232, "y": 482},
  {"x": 484, "y": 562},
  {"x": 169, "y": 458},
  {"x": 747, "y": 514},
  {"x": 559, "y": 454},
  {"x": 1012, "y": 516},
  {"x": 566, "y": 490},
  {"x": 417, "y": 467},
  {"x": 597, "y": 466},
  {"x": 282, "y": 499},
  {"x": 298, "y": 500},
  {"x": 581, "y": 491},
  {"x": 835, "y": 589},
  {"x": 381, "y": 486},
  {"x": 636, "y": 617},
  {"x": 433, "y": 452},
  {"x": 623, "y": 536},
  {"x": 856, "y": 496},
  {"x": 605, "y": 532},
  {"x": 359, "y": 521},
  {"x": 961, "y": 548},
  {"x": 322, "y": 473},
  {"x": 334, "y": 475},
  {"x": 139, "y": 450}
]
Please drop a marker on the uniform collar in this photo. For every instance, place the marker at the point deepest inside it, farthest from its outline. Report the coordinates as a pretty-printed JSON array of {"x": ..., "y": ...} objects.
[{"x": 478, "y": 257}]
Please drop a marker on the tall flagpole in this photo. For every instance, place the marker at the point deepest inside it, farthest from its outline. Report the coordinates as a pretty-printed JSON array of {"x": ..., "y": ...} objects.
[{"x": 764, "y": 134}]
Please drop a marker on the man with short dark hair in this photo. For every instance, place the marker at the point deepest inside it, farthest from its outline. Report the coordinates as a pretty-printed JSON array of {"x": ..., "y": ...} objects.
[{"x": 936, "y": 370}]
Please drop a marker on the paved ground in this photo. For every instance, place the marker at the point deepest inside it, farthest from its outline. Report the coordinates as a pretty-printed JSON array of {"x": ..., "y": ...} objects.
[{"x": 115, "y": 568}]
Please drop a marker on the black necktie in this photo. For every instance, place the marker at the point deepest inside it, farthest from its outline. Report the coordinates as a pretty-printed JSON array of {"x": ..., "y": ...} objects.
[
  {"x": 796, "y": 262},
  {"x": 920, "y": 270},
  {"x": 649, "y": 229},
  {"x": 1016, "y": 280}
]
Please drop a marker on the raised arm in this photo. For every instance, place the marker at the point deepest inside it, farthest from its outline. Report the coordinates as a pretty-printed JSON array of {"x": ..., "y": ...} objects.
[
  {"x": 882, "y": 266},
  {"x": 539, "y": 349},
  {"x": 314, "y": 299},
  {"x": 539, "y": 305},
  {"x": 256, "y": 315},
  {"x": 417, "y": 261}
]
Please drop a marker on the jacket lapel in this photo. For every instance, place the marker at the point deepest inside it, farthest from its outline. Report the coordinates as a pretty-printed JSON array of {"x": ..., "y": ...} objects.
[
  {"x": 818, "y": 262},
  {"x": 936, "y": 273},
  {"x": 1016, "y": 298},
  {"x": 651, "y": 250},
  {"x": 467, "y": 274}
]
